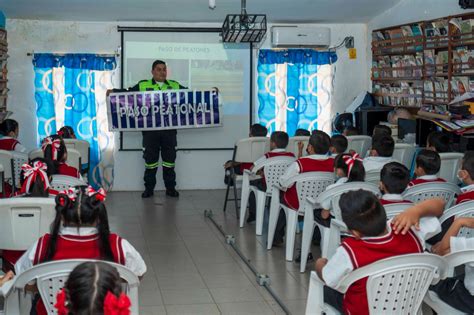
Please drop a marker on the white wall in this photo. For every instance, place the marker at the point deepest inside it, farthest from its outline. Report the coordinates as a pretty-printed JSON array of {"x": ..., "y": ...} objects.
[{"x": 196, "y": 169}]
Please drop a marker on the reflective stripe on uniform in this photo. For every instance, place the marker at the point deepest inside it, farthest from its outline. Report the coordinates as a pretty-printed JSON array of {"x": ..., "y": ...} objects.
[
  {"x": 152, "y": 165},
  {"x": 168, "y": 165}
]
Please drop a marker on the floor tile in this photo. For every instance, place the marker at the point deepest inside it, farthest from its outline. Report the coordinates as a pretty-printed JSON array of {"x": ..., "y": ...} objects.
[
  {"x": 187, "y": 296},
  {"x": 237, "y": 294},
  {"x": 194, "y": 309}
]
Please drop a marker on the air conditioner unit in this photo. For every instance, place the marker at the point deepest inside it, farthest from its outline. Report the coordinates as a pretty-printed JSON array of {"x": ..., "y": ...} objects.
[{"x": 301, "y": 36}]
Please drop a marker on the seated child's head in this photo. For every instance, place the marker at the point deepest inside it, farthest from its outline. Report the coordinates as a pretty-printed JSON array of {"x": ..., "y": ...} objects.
[
  {"x": 55, "y": 150},
  {"x": 302, "y": 132},
  {"x": 338, "y": 144},
  {"x": 350, "y": 131},
  {"x": 382, "y": 146},
  {"x": 258, "y": 130},
  {"x": 427, "y": 163},
  {"x": 362, "y": 213},
  {"x": 382, "y": 130},
  {"x": 81, "y": 207},
  {"x": 466, "y": 173},
  {"x": 35, "y": 178},
  {"x": 279, "y": 140},
  {"x": 350, "y": 166},
  {"x": 67, "y": 132},
  {"x": 319, "y": 143},
  {"x": 93, "y": 288},
  {"x": 438, "y": 141},
  {"x": 9, "y": 128},
  {"x": 394, "y": 178}
]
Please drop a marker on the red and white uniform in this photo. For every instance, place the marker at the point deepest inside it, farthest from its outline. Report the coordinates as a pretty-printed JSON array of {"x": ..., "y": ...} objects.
[
  {"x": 356, "y": 253},
  {"x": 67, "y": 170},
  {"x": 389, "y": 199},
  {"x": 311, "y": 163},
  {"x": 425, "y": 179},
  {"x": 273, "y": 153},
  {"x": 466, "y": 195},
  {"x": 11, "y": 144},
  {"x": 376, "y": 162}
]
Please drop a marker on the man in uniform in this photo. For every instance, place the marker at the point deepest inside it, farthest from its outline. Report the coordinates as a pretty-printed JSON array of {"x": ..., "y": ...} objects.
[{"x": 158, "y": 140}]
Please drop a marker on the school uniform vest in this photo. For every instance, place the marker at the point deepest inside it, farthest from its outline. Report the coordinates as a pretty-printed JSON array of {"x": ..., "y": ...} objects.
[
  {"x": 367, "y": 251},
  {"x": 306, "y": 164},
  {"x": 275, "y": 154},
  {"x": 419, "y": 181},
  {"x": 467, "y": 196},
  {"x": 64, "y": 169},
  {"x": 245, "y": 166},
  {"x": 8, "y": 144},
  {"x": 391, "y": 202}
]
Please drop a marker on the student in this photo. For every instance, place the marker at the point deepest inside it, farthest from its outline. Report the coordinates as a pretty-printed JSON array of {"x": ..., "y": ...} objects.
[
  {"x": 338, "y": 144},
  {"x": 302, "y": 133},
  {"x": 93, "y": 288},
  {"x": 350, "y": 131},
  {"x": 438, "y": 141},
  {"x": 66, "y": 132},
  {"x": 457, "y": 291},
  {"x": 55, "y": 154},
  {"x": 10, "y": 130},
  {"x": 466, "y": 175},
  {"x": 372, "y": 238},
  {"x": 81, "y": 231},
  {"x": 278, "y": 143},
  {"x": 380, "y": 153},
  {"x": 394, "y": 179},
  {"x": 382, "y": 130},
  {"x": 35, "y": 179},
  {"x": 317, "y": 161},
  {"x": 428, "y": 164}
]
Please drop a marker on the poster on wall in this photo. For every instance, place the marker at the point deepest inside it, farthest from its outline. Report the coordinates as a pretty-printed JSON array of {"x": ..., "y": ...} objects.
[{"x": 162, "y": 110}]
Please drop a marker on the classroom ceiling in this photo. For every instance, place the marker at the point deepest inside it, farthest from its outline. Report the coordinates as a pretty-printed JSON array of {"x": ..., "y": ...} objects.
[{"x": 278, "y": 11}]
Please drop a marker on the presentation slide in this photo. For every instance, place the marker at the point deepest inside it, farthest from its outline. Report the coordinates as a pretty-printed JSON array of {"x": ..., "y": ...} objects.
[{"x": 198, "y": 61}]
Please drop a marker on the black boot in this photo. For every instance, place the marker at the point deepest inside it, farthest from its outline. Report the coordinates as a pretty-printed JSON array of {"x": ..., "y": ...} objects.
[
  {"x": 172, "y": 192},
  {"x": 147, "y": 194}
]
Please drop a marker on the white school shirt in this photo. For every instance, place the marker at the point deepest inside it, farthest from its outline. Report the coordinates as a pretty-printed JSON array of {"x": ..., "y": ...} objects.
[
  {"x": 133, "y": 259},
  {"x": 258, "y": 163},
  {"x": 327, "y": 203},
  {"x": 18, "y": 147},
  {"x": 460, "y": 243},
  {"x": 339, "y": 265},
  {"x": 376, "y": 162},
  {"x": 294, "y": 169},
  {"x": 466, "y": 189},
  {"x": 392, "y": 197}
]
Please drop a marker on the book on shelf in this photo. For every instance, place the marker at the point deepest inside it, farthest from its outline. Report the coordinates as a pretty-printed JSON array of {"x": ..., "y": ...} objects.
[
  {"x": 442, "y": 60},
  {"x": 407, "y": 31}
]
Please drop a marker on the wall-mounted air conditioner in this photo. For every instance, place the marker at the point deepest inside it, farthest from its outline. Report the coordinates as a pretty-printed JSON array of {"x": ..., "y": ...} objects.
[{"x": 301, "y": 36}]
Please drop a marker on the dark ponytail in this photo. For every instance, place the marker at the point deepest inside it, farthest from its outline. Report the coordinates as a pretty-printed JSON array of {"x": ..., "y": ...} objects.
[
  {"x": 357, "y": 173},
  {"x": 7, "y": 126},
  {"x": 67, "y": 132},
  {"x": 49, "y": 154},
  {"x": 37, "y": 188}
]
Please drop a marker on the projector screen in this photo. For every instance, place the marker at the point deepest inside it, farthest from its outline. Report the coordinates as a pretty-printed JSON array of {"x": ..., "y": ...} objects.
[{"x": 198, "y": 61}]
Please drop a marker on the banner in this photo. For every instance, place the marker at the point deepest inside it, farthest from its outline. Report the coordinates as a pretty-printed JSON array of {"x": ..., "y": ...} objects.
[{"x": 161, "y": 110}]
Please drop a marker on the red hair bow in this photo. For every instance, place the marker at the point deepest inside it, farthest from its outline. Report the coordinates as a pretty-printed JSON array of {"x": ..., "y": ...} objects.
[
  {"x": 60, "y": 133},
  {"x": 99, "y": 194},
  {"x": 116, "y": 306},
  {"x": 350, "y": 160},
  {"x": 71, "y": 193},
  {"x": 55, "y": 145},
  {"x": 30, "y": 172},
  {"x": 61, "y": 303}
]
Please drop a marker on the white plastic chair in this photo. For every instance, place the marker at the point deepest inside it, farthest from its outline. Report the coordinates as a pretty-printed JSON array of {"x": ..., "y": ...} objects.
[
  {"x": 373, "y": 176},
  {"x": 74, "y": 158},
  {"x": 464, "y": 210},
  {"x": 452, "y": 261},
  {"x": 24, "y": 220},
  {"x": 63, "y": 182},
  {"x": 421, "y": 192},
  {"x": 308, "y": 185},
  {"x": 450, "y": 164},
  {"x": 273, "y": 168},
  {"x": 246, "y": 150},
  {"x": 394, "y": 209},
  {"x": 293, "y": 144},
  {"x": 395, "y": 285},
  {"x": 360, "y": 144},
  {"x": 50, "y": 277},
  {"x": 404, "y": 153},
  {"x": 12, "y": 162},
  {"x": 35, "y": 153},
  {"x": 83, "y": 147}
]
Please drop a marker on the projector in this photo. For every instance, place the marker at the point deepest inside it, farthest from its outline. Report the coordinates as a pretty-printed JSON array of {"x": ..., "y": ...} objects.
[
  {"x": 243, "y": 27},
  {"x": 466, "y": 4}
]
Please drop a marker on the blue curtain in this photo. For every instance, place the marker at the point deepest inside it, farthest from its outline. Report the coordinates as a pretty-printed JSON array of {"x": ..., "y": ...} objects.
[
  {"x": 288, "y": 88},
  {"x": 72, "y": 97}
]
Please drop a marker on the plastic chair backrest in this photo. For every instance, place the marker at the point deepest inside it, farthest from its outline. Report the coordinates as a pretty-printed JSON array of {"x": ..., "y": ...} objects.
[
  {"x": 74, "y": 158},
  {"x": 51, "y": 276},
  {"x": 81, "y": 146},
  {"x": 421, "y": 192},
  {"x": 360, "y": 144},
  {"x": 274, "y": 168},
  {"x": 24, "y": 220},
  {"x": 404, "y": 153},
  {"x": 450, "y": 164},
  {"x": 462, "y": 210},
  {"x": 458, "y": 258},
  {"x": 35, "y": 153},
  {"x": 293, "y": 144},
  {"x": 396, "y": 208},
  {"x": 373, "y": 176},
  {"x": 63, "y": 182},
  {"x": 335, "y": 193},
  {"x": 249, "y": 150},
  {"x": 6, "y": 158},
  {"x": 311, "y": 184}
]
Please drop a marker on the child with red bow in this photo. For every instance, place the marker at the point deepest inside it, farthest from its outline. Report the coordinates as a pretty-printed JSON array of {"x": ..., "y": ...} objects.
[
  {"x": 55, "y": 153},
  {"x": 81, "y": 231},
  {"x": 35, "y": 179},
  {"x": 93, "y": 288}
]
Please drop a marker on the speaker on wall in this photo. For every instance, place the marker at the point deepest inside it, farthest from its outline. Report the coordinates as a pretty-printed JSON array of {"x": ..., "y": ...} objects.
[{"x": 466, "y": 4}]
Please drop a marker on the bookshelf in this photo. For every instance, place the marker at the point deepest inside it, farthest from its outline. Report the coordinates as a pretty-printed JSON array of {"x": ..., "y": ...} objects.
[
  {"x": 425, "y": 63},
  {"x": 3, "y": 69}
]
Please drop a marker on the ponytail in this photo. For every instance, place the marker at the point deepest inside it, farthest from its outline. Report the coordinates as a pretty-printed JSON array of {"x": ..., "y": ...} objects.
[
  {"x": 55, "y": 151},
  {"x": 351, "y": 165}
]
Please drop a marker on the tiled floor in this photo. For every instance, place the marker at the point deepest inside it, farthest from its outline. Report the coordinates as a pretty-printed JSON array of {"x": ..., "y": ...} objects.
[{"x": 191, "y": 270}]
